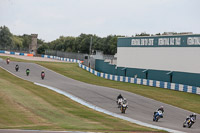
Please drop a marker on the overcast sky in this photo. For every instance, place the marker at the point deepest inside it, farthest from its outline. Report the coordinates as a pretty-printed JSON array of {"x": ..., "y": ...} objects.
[{"x": 53, "y": 18}]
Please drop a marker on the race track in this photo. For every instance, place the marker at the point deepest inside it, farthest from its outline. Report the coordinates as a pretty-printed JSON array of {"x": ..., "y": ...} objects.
[{"x": 140, "y": 108}]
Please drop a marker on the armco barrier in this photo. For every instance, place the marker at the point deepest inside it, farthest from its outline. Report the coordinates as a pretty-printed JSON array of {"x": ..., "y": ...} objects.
[
  {"x": 148, "y": 82},
  {"x": 15, "y": 53},
  {"x": 61, "y": 58}
]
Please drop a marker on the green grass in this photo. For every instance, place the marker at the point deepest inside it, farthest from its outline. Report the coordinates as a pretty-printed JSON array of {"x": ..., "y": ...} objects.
[{"x": 24, "y": 105}]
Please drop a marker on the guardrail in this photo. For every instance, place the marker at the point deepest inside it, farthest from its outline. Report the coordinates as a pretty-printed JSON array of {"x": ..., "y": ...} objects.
[
  {"x": 15, "y": 53},
  {"x": 61, "y": 58}
]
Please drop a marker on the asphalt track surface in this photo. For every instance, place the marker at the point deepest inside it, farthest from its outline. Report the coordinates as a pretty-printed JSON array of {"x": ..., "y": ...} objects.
[{"x": 140, "y": 108}]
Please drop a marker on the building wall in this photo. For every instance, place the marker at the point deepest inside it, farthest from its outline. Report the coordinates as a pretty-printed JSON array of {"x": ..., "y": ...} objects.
[
  {"x": 183, "y": 59},
  {"x": 164, "y": 58}
]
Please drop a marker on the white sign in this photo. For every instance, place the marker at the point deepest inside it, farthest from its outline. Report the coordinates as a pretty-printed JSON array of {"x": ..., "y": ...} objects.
[
  {"x": 193, "y": 41},
  {"x": 169, "y": 41},
  {"x": 142, "y": 42}
]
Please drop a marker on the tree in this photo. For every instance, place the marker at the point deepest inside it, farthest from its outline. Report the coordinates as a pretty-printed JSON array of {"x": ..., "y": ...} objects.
[
  {"x": 41, "y": 49},
  {"x": 5, "y": 38},
  {"x": 17, "y": 42},
  {"x": 143, "y": 34}
]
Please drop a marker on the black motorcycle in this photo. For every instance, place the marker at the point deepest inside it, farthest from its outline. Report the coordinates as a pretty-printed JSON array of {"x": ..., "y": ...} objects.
[
  {"x": 27, "y": 72},
  {"x": 17, "y": 68},
  {"x": 189, "y": 122}
]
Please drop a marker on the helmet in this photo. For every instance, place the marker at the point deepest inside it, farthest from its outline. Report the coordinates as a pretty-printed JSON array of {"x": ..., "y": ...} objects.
[{"x": 161, "y": 107}]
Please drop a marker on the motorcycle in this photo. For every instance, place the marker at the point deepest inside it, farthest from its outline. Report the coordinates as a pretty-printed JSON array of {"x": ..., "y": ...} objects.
[
  {"x": 189, "y": 122},
  {"x": 17, "y": 68},
  {"x": 157, "y": 115},
  {"x": 42, "y": 75},
  {"x": 123, "y": 108},
  {"x": 8, "y": 61},
  {"x": 119, "y": 102},
  {"x": 27, "y": 72}
]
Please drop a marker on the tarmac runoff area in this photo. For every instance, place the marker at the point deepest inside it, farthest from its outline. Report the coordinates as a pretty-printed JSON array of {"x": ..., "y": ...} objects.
[{"x": 140, "y": 108}]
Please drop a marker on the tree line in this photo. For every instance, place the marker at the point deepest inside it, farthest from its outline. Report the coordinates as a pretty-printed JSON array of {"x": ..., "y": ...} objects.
[{"x": 80, "y": 44}]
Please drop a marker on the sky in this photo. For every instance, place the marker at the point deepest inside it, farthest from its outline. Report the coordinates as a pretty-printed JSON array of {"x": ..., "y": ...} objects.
[{"x": 51, "y": 19}]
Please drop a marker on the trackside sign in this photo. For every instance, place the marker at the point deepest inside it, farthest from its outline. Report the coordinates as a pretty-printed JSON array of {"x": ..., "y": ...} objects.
[{"x": 161, "y": 41}]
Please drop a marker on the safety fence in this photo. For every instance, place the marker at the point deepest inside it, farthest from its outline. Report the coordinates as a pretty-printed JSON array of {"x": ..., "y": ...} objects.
[
  {"x": 147, "y": 82},
  {"x": 61, "y": 58},
  {"x": 15, "y": 53}
]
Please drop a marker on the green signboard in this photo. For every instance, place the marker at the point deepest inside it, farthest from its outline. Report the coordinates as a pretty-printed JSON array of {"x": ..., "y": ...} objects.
[{"x": 160, "y": 41}]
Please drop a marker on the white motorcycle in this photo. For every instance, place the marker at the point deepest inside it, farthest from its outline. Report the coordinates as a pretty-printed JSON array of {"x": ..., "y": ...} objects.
[{"x": 120, "y": 102}]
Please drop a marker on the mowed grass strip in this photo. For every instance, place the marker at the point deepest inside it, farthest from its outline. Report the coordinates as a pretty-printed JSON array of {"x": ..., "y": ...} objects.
[
  {"x": 24, "y": 105},
  {"x": 183, "y": 100}
]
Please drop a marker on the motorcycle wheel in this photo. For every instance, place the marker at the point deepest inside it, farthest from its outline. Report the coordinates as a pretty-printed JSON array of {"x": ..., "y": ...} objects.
[
  {"x": 157, "y": 117},
  {"x": 190, "y": 125}
]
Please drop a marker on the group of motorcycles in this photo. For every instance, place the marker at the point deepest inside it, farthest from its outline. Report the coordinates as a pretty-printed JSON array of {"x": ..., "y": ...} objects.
[
  {"x": 123, "y": 105},
  {"x": 27, "y": 70}
]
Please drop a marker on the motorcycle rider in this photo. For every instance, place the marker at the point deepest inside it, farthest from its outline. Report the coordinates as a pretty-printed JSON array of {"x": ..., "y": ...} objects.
[
  {"x": 42, "y": 74},
  {"x": 27, "y": 71},
  {"x": 8, "y": 60},
  {"x": 17, "y": 67},
  {"x": 159, "y": 109},
  {"x": 190, "y": 116},
  {"x": 119, "y": 96},
  {"x": 119, "y": 100},
  {"x": 190, "y": 120}
]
